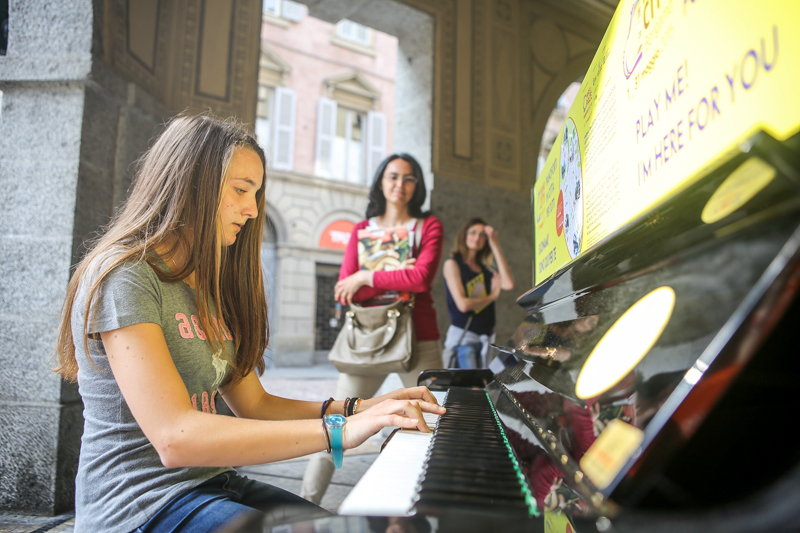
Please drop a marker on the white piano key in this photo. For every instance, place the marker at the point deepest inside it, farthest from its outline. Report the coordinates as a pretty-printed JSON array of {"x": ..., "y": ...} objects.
[{"x": 386, "y": 489}]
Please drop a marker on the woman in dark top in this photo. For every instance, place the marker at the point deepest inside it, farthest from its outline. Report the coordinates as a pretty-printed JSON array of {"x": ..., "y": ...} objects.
[{"x": 472, "y": 286}]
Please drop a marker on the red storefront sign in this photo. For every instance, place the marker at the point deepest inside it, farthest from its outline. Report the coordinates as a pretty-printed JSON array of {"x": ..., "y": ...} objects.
[{"x": 336, "y": 235}]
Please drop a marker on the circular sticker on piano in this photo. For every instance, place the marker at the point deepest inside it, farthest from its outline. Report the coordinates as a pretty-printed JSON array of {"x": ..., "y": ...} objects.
[
  {"x": 625, "y": 343},
  {"x": 572, "y": 188},
  {"x": 560, "y": 214},
  {"x": 738, "y": 189}
]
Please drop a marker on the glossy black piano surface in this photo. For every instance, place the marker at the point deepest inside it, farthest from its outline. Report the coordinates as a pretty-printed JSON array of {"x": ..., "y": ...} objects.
[{"x": 712, "y": 398}]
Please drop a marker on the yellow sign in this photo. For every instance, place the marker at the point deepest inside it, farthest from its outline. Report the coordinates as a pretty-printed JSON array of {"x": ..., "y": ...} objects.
[
  {"x": 609, "y": 453},
  {"x": 557, "y": 522},
  {"x": 674, "y": 87}
]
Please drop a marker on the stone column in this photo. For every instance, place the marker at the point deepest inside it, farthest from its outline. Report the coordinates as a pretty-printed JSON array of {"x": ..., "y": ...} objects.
[
  {"x": 42, "y": 79},
  {"x": 69, "y": 129}
]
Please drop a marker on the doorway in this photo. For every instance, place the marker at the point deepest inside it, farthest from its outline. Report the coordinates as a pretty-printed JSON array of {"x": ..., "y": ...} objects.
[{"x": 328, "y": 315}]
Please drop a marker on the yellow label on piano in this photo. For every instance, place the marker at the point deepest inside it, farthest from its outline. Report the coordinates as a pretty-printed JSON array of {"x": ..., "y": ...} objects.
[
  {"x": 737, "y": 189},
  {"x": 673, "y": 89},
  {"x": 609, "y": 453},
  {"x": 557, "y": 522}
]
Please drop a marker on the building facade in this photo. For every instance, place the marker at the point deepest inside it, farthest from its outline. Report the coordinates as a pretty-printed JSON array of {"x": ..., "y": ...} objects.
[{"x": 325, "y": 117}]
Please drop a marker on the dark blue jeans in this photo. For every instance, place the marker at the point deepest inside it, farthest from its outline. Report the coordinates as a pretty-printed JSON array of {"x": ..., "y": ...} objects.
[{"x": 225, "y": 498}]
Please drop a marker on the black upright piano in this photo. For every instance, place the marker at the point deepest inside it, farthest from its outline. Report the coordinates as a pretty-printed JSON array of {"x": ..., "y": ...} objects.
[
  {"x": 710, "y": 403},
  {"x": 652, "y": 383}
]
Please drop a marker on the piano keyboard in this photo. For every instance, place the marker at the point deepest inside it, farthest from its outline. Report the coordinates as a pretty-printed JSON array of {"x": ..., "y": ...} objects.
[
  {"x": 457, "y": 465},
  {"x": 470, "y": 461},
  {"x": 389, "y": 485}
]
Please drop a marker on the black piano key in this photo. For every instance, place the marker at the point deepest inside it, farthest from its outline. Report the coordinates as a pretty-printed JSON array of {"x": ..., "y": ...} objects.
[
  {"x": 460, "y": 500},
  {"x": 442, "y": 490},
  {"x": 469, "y": 461},
  {"x": 448, "y": 487},
  {"x": 469, "y": 474}
]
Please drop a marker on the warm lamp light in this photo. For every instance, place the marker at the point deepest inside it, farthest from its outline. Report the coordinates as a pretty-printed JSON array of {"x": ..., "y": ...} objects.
[{"x": 625, "y": 343}]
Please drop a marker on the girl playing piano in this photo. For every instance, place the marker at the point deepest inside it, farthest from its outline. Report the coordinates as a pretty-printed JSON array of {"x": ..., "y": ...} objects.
[{"x": 167, "y": 311}]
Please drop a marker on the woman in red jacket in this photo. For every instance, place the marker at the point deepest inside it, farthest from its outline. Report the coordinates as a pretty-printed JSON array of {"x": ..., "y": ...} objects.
[{"x": 395, "y": 199}]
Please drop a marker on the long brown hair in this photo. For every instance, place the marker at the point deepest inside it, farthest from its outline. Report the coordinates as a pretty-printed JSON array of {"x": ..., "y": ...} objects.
[
  {"x": 483, "y": 256},
  {"x": 179, "y": 187}
]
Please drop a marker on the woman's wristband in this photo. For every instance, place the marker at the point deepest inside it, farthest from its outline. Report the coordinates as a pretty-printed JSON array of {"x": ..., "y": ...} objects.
[
  {"x": 351, "y": 405},
  {"x": 325, "y": 406},
  {"x": 326, "y": 435}
]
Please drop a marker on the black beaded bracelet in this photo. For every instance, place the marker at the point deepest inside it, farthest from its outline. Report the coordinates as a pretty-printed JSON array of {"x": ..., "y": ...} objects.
[
  {"x": 346, "y": 406},
  {"x": 325, "y": 406},
  {"x": 350, "y": 408},
  {"x": 327, "y": 436}
]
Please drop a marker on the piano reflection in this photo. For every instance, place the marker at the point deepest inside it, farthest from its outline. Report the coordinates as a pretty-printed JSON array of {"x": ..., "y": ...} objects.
[{"x": 652, "y": 385}]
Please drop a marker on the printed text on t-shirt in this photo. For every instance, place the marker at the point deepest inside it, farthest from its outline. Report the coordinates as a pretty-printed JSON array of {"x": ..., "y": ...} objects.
[{"x": 185, "y": 327}]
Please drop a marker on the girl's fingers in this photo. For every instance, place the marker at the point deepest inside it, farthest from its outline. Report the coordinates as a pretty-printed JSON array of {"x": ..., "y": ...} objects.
[
  {"x": 412, "y": 420},
  {"x": 405, "y": 423},
  {"x": 423, "y": 393},
  {"x": 413, "y": 412},
  {"x": 420, "y": 392},
  {"x": 429, "y": 407}
]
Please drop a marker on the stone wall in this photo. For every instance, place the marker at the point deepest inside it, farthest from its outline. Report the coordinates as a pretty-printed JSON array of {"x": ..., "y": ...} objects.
[
  {"x": 67, "y": 146},
  {"x": 507, "y": 211},
  {"x": 40, "y": 145},
  {"x": 40, "y": 133}
]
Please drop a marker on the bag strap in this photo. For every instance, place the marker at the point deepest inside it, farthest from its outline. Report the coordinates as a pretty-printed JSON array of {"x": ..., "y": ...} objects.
[
  {"x": 419, "y": 222},
  {"x": 466, "y": 328}
]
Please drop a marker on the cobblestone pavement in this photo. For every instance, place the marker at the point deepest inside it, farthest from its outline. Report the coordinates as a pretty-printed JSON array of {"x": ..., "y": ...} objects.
[{"x": 311, "y": 383}]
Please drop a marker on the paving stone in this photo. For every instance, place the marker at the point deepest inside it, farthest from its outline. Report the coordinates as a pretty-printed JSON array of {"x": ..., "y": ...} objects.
[{"x": 17, "y": 523}]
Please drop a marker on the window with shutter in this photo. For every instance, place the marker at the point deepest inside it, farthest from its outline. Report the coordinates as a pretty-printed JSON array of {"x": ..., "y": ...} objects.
[
  {"x": 376, "y": 141},
  {"x": 271, "y": 6},
  {"x": 292, "y": 11},
  {"x": 354, "y": 32},
  {"x": 348, "y": 146},
  {"x": 357, "y": 136},
  {"x": 264, "y": 118},
  {"x": 326, "y": 131},
  {"x": 284, "y": 120}
]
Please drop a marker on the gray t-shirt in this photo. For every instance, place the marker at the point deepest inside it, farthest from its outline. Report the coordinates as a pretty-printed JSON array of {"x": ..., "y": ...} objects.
[{"x": 121, "y": 482}]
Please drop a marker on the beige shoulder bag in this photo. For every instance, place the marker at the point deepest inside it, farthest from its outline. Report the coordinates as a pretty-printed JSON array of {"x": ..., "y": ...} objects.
[{"x": 377, "y": 339}]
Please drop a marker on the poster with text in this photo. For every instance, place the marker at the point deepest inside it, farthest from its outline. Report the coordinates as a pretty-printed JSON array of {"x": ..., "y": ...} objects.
[{"x": 674, "y": 87}]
